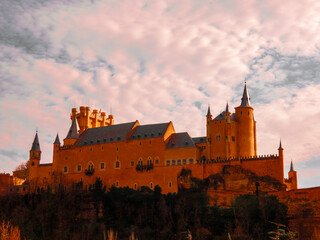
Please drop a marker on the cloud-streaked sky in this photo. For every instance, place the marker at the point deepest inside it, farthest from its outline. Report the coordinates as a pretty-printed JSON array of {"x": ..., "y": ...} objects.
[{"x": 157, "y": 61}]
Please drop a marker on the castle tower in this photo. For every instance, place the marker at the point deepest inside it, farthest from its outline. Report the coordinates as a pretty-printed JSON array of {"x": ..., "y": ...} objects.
[
  {"x": 292, "y": 178},
  {"x": 281, "y": 158},
  {"x": 35, "y": 156},
  {"x": 227, "y": 130},
  {"x": 209, "y": 134},
  {"x": 246, "y": 127},
  {"x": 56, "y": 147},
  {"x": 73, "y": 133}
]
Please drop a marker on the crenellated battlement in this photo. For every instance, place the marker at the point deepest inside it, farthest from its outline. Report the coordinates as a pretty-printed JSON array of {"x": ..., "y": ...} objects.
[
  {"x": 87, "y": 119},
  {"x": 240, "y": 159}
]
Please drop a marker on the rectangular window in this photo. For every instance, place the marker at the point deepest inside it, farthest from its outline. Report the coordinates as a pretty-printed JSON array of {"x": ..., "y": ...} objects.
[
  {"x": 227, "y": 139},
  {"x": 117, "y": 164},
  {"x": 190, "y": 161},
  {"x": 179, "y": 162},
  {"x": 218, "y": 138},
  {"x": 173, "y": 162},
  {"x": 184, "y": 161},
  {"x": 79, "y": 168},
  {"x": 157, "y": 161},
  {"x": 233, "y": 138},
  {"x": 65, "y": 169},
  {"x": 168, "y": 163},
  {"x": 102, "y": 166}
]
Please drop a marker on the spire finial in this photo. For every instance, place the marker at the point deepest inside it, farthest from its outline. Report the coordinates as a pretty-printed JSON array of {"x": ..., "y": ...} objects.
[
  {"x": 245, "y": 100},
  {"x": 280, "y": 145},
  {"x": 209, "y": 111},
  {"x": 291, "y": 167},
  {"x": 57, "y": 141},
  {"x": 227, "y": 107}
]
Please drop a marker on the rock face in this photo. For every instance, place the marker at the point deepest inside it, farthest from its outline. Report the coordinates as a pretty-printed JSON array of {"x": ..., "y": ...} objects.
[{"x": 231, "y": 182}]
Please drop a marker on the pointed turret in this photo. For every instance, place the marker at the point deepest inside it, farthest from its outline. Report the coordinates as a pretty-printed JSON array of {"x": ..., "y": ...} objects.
[
  {"x": 280, "y": 146},
  {"x": 57, "y": 141},
  {"x": 227, "y": 107},
  {"x": 35, "y": 144},
  {"x": 291, "y": 167},
  {"x": 74, "y": 130},
  {"x": 245, "y": 100},
  {"x": 209, "y": 111}
]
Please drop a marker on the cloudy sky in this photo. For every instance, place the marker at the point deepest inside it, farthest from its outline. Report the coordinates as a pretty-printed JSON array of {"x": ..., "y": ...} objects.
[{"x": 157, "y": 61}]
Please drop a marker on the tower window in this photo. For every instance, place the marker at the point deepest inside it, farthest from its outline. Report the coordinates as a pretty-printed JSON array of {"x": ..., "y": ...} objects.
[
  {"x": 151, "y": 185},
  {"x": 179, "y": 162},
  {"x": 65, "y": 169},
  {"x": 117, "y": 184},
  {"x": 170, "y": 184},
  {"x": 101, "y": 165},
  {"x": 168, "y": 163},
  {"x": 117, "y": 149},
  {"x": 218, "y": 138},
  {"x": 32, "y": 164},
  {"x": 184, "y": 161},
  {"x": 173, "y": 162},
  {"x": 101, "y": 147},
  {"x": 135, "y": 186},
  {"x": 117, "y": 164}
]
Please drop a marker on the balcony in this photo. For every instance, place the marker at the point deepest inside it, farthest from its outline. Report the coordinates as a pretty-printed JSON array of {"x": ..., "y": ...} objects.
[
  {"x": 147, "y": 167},
  {"x": 89, "y": 171}
]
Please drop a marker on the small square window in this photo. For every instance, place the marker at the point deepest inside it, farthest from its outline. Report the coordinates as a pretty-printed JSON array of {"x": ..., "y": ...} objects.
[
  {"x": 102, "y": 166},
  {"x": 168, "y": 163},
  {"x": 173, "y": 162},
  {"x": 184, "y": 161}
]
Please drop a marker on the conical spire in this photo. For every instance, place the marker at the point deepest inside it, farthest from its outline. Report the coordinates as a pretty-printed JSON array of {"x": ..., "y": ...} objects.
[
  {"x": 280, "y": 145},
  {"x": 57, "y": 141},
  {"x": 209, "y": 111},
  {"x": 227, "y": 107},
  {"x": 291, "y": 167},
  {"x": 74, "y": 130},
  {"x": 35, "y": 144},
  {"x": 245, "y": 100}
]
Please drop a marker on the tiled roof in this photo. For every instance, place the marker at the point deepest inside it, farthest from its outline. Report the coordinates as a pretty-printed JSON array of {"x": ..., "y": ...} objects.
[
  {"x": 149, "y": 131},
  {"x": 113, "y": 133},
  {"x": 222, "y": 116},
  {"x": 198, "y": 140},
  {"x": 180, "y": 140}
]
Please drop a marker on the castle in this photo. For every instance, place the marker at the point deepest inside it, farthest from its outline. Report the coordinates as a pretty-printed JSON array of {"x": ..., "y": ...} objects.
[{"x": 135, "y": 155}]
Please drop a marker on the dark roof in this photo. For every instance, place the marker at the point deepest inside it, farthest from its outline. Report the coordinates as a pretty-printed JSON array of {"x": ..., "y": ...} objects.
[
  {"x": 208, "y": 112},
  {"x": 35, "y": 144},
  {"x": 222, "y": 116},
  {"x": 57, "y": 141},
  {"x": 149, "y": 131},
  {"x": 198, "y": 140},
  {"x": 74, "y": 130},
  {"x": 291, "y": 167},
  {"x": 45, "y": 164},
  {"x": 245, "y": 100},
  {"x": 180, "y": 140},
  {"x": 113, "y": 133}
]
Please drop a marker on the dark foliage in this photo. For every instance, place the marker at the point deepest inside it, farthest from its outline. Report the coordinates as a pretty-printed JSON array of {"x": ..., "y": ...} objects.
[{"x": 80, "y": 214}]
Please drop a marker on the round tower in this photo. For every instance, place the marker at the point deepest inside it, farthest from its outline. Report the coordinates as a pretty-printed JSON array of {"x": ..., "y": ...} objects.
[
  {"x": 34, "y": 158},
  {"x": 245, "y": 127},
  {"x": 209, "y": 137}
]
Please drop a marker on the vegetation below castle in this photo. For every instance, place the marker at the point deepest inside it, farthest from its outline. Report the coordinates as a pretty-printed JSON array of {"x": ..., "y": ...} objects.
[{"x": 148, "y": 214}]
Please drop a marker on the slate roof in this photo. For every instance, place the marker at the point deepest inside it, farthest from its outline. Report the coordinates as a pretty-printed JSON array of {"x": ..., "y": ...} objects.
[
  {"x": 113, "y": 133},
  {"x": 245, "y": 100},
  {"x": 180, "y": 140},
  {"x": 149, "y": 131},
  {"x": 45, "y": 164},
  {"x": 222, "y": 116},
  {"x": 74, "y": 130},
  {"x": 35, "y": 144},
  {"x": 57, "y": 141},
  {"x": 198, "y": 140}
]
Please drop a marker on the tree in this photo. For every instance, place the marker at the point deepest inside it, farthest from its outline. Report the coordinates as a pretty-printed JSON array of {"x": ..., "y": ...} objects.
[{"x": 22, "y": 171}]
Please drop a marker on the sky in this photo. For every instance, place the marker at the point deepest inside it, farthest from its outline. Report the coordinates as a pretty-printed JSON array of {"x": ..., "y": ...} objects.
[{"x": 161, "y": 61}]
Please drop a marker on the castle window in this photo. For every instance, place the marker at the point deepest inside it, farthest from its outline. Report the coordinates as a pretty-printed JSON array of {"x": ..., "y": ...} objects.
[
  {"x": 233, "y": 138},
  {"x": 65, "y": 169},
  {"x": 248, "y": 113},
  {"x": 119, "y": 138},
  {"x": 145, "y": 135},
  {"x": 135, "y": 186},
  {"x": 218, "y": 138},
  {"x": 101, "y": 165},
  {"x": 117, "y": 164},
  {"x": 139, "y": 136},
  {"x": 132, "y": 163},
  {"x": 152, "y": 134},
  {"x": 101, "y": 147},
  {"x": 173, "y": 162},
  {"x": 140, "y": 143},
  {"x": 105, "y": 140},
  {"x": 91, "y": 142},
  {"x": 98, "y": 141},
  {"x": 170, "y": 184},
  {"x": 184, "y": 161},
  {"x": 117, "y": 184},
  {"x": 32, "y": 164},
  {"x": 149, "y": 142},
  {"x": 227, "y": 138},
  {"x": 156, "y": 161},
  {"x": 85, "y": 143},
  {"x": 179, "y": 162},
  {"x": 241, "y": 113},
  {"x": 160, "y": 133},
  {"x": 90, "y": 149},
  {"x": 80, "y": 150},
  {"x": 151, "y": 185},
  {"x": 79, "y": 168},
  {"x": 168, "y": 163},
  {"x": 117, "y": 149},
  {"x": 190, "y": 161}
]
